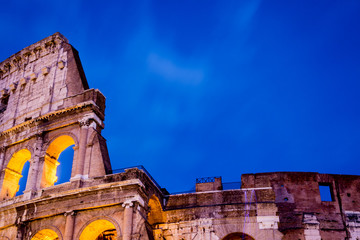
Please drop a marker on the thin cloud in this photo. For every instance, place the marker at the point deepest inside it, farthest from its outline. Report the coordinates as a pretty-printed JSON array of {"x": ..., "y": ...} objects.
[{"x": 170, "y": 70}]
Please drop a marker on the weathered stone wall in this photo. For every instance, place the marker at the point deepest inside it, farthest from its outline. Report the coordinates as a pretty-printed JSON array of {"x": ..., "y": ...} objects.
[
  {"x": 301, "y": 207},
  {"x": 37, "y": 80}
]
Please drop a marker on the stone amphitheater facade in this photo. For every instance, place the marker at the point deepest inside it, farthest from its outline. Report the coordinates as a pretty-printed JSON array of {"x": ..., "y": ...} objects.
[{"x": 47, "y": 106}]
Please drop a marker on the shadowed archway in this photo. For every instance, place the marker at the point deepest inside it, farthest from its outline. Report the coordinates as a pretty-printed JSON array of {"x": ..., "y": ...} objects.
[{"x": 237, "y": 236}]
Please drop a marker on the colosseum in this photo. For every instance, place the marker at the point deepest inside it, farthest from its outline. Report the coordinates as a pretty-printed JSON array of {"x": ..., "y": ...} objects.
[{"x": 47, "y": 106}]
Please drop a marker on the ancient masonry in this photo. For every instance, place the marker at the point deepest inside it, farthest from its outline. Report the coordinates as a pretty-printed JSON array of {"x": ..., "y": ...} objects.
[{"x": 47, "y": 106}]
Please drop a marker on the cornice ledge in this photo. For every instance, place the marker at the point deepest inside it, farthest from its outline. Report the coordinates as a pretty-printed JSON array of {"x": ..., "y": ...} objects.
[{"x": 47, "y": 117}]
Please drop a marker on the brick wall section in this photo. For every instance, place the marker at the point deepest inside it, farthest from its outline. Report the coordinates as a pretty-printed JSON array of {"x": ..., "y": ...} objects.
[{"x": 298, "y": 194}]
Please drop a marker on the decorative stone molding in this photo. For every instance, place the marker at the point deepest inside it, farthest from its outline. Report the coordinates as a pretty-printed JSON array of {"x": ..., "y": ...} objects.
[
  {"x": 61, "y": 64},
  {"x": 4, "y": 92},
  {"x": 33, "y": 76},
  {"x": 23, "y": 81},
  {"x": 46, "y": 116},
  {"x": 13, "y": 87},
  {"x": 31, "y": 53},
  {"x": 45, "y": 71},
  {"x": 268, "y": 222}
]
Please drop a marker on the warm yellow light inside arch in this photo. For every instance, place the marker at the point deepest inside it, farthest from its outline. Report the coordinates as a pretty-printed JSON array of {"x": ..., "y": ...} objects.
[
  {"x": 95, "y": 228},
  {"x": 155, "y": 214},
  {"x": 238, "y": 236},
  {"x": 12, "y": 173},
  {"x": 52, "y": 154},
  {"x": 18, "y": 160},
  {"x": 45, "y": 234},
  {"x": 59, "y": 145}
]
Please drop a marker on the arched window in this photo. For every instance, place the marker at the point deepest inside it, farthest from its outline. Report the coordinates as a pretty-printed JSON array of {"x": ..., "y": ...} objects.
[
  {"x": 24, "y": 178},
  {"x": 99, "y": 230},
  {"x": 64, "y": 169},
  {"x": 57, "y": 146},
  {"x": 47, "y": 234},
  {"x": 12, "y": 173},
  {"x": 238, "y": 236}
]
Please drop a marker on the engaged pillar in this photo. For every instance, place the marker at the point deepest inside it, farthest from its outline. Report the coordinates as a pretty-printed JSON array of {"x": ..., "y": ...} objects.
[
  {"x": 128, "y": 217},
  {"x": 80, "y": 160},
  {"x": 69, "y": 225},
  {"x": 35, "y": 171},
  {"x": 2, "y": 156}
]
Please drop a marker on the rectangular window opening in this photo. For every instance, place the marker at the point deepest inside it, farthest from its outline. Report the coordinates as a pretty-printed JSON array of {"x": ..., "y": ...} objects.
[{"x": 326, "y": 192}]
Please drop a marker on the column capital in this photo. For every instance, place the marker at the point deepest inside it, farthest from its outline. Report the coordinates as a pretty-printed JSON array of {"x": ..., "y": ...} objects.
[
  {"x": 84, "y": 122},
  {"x": 2, "y": 149},
  {"x": 128, "y": 204},
  {"x": 70, "y": 213}
]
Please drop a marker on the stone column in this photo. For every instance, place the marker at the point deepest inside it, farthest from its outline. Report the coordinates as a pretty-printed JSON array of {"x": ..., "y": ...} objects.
[
  {"x": 69, "y": 225},
  {"x": 35, "y": 170},
  {"x": 2, "y": 168},
  {"x": 80, "y": 161},
  {"x": 2, "y": 156},
  {"x": 128, "y": 219}
]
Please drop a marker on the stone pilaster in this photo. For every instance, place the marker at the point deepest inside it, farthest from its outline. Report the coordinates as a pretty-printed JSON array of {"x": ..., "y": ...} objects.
[
  {"x": 80, "y": 160},
  {"x": 35, "y": 170},
  {"x": 128, "y": 220},
  {"x": 69, "y": 225},
  {"x": 2, "y": 156},
  {"x": 353, "y": 224},
  {"x": 311, "y": 227}
]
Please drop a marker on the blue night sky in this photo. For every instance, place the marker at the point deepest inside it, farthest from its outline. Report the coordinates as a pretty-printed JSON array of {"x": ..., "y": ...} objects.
[{"x": 213, "y": 88}]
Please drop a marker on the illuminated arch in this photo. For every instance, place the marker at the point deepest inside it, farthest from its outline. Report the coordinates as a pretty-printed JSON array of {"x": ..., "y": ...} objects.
[
  {"x": 46, "y": 234},
  {"x": 155, "y": 215},
  {"x": 12, "y": 173},
  {"x": 51, "y": 163},
  {"x": 237, "y": 236},
  {"x": 98, "y": 228}
]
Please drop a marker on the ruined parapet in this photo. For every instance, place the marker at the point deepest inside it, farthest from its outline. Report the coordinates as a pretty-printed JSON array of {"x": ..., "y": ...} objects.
[
  {"x": 208, "y": 184},
  {"x": 47, "y": 106}
]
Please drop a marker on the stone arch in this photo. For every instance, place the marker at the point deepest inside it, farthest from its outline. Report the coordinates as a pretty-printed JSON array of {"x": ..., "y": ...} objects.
[
  {"x": 57, "y": 135},
  {"x": 238, "y": 236},
  {"x": 53, "y": 150},
  {"x": 98, "y": 226},
  {"x": 48, "y": 234},
  {"x": 155, "y": 213},
  {"x": 10, "y": 151},
  {"x": 12, "y": 173}
]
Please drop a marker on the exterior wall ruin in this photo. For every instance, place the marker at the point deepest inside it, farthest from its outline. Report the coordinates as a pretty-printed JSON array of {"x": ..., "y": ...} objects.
[{"x": 47, "y": 106}]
